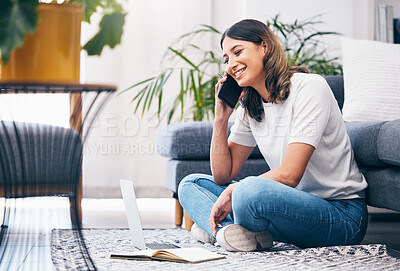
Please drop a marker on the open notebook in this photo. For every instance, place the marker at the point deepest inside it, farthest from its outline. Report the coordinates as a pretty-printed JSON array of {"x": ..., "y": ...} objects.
[{"x": 182, "y": 255}]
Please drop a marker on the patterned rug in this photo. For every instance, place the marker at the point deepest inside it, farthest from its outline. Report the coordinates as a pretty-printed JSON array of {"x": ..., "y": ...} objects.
[{"x": 67, "y": 254}]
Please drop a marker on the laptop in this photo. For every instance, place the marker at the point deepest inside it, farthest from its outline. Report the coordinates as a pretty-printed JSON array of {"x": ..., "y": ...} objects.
[{"x": 135, "y": 225}]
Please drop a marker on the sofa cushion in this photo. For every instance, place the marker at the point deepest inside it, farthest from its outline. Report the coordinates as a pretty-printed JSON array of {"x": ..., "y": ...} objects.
[
  {"x": 388, "y": 143},
  {"x": 371, "y": 84},
  {"x": 335, "y": 82},
  {"x": 364, "y": 140},
  {"x": 178, "y": 169},
  {"x": 383, "y": 187},
  {"x": 189, "y": 140}
]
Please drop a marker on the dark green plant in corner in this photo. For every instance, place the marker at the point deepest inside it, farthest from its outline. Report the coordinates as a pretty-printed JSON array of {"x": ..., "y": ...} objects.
[
  {"x": 198, "y": 68},
  {"x": 19, "y": 17},
  {"x": 303, "y": 46}
]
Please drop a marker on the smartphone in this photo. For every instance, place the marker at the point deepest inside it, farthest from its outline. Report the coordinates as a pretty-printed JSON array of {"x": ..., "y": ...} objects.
[{"x": 230, "y": 92}]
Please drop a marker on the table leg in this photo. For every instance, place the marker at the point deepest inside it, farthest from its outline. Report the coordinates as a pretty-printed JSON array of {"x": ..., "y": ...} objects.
[{"x": 75, "y": 122}]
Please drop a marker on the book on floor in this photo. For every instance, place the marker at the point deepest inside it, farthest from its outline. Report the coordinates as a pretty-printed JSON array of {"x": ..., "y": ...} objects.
[{"x": 183, "y": 255}]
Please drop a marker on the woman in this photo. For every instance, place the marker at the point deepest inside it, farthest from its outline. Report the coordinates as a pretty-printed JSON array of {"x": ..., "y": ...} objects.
[{"x": 313, "y": 194}]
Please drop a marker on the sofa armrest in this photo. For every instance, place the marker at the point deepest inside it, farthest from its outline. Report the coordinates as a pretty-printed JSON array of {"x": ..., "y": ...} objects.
[
  {"x": 364, "y": 141},
  {"x": 389, "y": 142},
  {"x": 189, "y": 141},
  {"x": 375, "y": 143}
]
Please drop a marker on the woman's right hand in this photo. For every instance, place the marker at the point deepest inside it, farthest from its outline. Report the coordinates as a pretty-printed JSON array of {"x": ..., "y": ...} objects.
[{"x": 221, "y": 208}]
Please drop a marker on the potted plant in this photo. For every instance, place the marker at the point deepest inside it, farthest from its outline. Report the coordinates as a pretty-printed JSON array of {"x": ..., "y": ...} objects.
[
  {"x": 198, "y": 68},
  {"x": 24, "y": 22},
  {"x": 302, "y": 45}
]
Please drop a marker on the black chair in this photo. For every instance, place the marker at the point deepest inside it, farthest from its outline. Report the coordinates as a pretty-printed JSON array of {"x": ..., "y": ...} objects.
[{"x": 39, "y": 160}]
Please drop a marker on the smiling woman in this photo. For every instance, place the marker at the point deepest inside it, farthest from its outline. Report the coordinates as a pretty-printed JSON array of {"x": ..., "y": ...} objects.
[
  {"x": 238, "y": 40},
  {"x": 314, "y": 194}
]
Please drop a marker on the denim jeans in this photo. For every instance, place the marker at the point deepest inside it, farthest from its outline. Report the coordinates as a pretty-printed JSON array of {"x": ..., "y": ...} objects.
[{"x": 291, "y": 215}]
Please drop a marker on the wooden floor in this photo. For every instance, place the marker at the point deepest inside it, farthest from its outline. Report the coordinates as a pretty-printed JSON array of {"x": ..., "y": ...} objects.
[
  {"x": 28, "y": 244},
  {"x": 32, "y": 220}
]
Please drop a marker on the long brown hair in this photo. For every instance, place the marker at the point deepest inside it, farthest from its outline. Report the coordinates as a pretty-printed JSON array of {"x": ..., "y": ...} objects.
[{"x": 278, "y": 71}]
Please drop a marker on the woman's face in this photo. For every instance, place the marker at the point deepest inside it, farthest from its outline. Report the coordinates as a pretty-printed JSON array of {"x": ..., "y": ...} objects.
[{"x": 244, "y": 61}]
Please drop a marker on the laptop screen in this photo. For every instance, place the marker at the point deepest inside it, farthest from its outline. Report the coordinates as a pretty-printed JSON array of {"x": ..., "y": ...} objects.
[{"x": 132, "y": 213}]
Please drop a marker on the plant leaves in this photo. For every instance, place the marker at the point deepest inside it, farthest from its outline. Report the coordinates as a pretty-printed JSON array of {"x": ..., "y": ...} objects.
[
  {"x": 137, "y": 84},
  {"x": 184, "y": 58},
  {"x": 109, "y": 34},
  {"x": 89, "y": 7},
  {"x": 17, "y": 18},
  {"x": 210, "y": 28},
  {"x": 302, "y": 44},
  {"x": 143, "y": 92},
  {"x": 153, "y": 91}
]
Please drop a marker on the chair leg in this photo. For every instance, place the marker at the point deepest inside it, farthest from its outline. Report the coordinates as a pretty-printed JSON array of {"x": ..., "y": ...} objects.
[
  {"x": 78, "y": 207},
  {"x": 188, "y": 222},
  {"x": 178, "y": 213}
]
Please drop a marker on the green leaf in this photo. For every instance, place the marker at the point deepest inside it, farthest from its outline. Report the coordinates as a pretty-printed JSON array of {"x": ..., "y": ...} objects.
[
  {"x": 153, "y": 91},
  {"x": 184, "y": 58},
  {"x": 138, "y": 84},
  {"x": 172, "y": 111},
  {"x": 212, "y": 29},
  {"x": 92, "y": 6},
  {"x": 159, "y": 104},
  {"x": 149, "y": 90},
  {"x": 89, "y": 7},
  {"x": 141, "y": 97},
  {"x": 17, "y": 18},
  {"x": 109, "y": 34},
  {"x": 181, "y": 94},
  {"x": 139, "y": 93}
]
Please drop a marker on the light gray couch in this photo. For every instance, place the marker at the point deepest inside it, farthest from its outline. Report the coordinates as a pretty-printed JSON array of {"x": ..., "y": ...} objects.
[{"x": 376, "y": 147}]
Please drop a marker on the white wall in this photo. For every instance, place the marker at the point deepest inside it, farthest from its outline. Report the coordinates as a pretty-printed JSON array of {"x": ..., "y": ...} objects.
[
  {"x": 122, "y": 145},
  {"x": 348, "y": 17}
]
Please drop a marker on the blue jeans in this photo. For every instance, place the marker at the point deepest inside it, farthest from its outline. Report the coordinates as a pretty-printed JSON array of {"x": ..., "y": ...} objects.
[{"x": 291, "y": 215}]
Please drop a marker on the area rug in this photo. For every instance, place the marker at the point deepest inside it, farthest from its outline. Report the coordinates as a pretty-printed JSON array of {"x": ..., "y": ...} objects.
[{"x": 67, "y": 255}]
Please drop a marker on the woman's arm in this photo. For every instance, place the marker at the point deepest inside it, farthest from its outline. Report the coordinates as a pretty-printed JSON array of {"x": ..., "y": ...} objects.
[
  {"x": 293, "y": 166},
  {"x": 226, "y": 158}
]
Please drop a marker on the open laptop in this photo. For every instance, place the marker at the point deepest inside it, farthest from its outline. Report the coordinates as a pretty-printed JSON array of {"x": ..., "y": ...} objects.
[{"x": 135, "y": 225}]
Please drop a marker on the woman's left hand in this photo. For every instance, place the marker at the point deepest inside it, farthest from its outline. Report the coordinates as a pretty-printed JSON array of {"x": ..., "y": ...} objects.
[{"x": 221, "y": 208}]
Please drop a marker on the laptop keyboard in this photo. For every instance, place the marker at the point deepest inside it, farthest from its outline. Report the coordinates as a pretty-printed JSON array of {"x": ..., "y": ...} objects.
[{"x": 161, "y": 245}]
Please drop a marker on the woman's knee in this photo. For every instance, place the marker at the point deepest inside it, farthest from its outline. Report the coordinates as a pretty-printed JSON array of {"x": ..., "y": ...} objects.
[
  {"x": 247, "y": 204},
  {"x": 190, "y": 179},
  {"x": 251, "y": 187},
  {"x": 186, "y": 183},
  {"x": 248, "y": 192},
  {"x": 186, "y": 186}
]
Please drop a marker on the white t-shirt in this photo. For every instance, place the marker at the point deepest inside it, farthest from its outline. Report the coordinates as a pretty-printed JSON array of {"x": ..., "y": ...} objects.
[{"x": 309, "y": 115}]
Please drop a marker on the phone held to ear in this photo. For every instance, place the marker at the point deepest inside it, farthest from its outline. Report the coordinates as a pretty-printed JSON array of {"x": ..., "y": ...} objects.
[{"x": 230, "y": 92}]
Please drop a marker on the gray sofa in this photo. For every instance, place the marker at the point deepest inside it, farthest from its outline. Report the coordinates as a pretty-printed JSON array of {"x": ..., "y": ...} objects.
[{"x": 376, "y": 148}]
